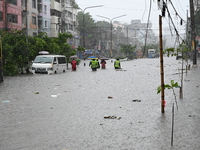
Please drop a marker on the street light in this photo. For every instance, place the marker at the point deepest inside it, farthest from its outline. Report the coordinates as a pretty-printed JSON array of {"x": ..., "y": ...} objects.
[
  {"x": 111, "y": 30},
  {"x": 84, "y": 21}
]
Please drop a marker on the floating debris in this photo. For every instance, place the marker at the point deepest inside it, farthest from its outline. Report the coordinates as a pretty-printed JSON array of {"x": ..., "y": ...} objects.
[
  {"x": 6, "y": 101},
  {"x": 36, "y": 92},
  {"x": 191, "y": 115},
  {"x": 111, "y": 117},
  {"x": 110, "y": 97},
  {"x": 136, "y": 100},
  {"x": 54, "y": 96}
]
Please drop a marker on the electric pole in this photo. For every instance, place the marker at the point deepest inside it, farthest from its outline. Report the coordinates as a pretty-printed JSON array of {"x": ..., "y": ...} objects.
[
  {"x": 1, "y": 62},
  {"x": 193, "y": 34},
  {"x": 161, "y": 67}
]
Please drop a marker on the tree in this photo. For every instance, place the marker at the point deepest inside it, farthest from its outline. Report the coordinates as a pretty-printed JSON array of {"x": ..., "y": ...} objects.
[
  {"x": 74, "y": 4},
  {"x": 128, "y": 50},
  {"x": 87, "y": 28},
  {"x": 19, "y": 50},
  {"x": 183, "y": 49}
]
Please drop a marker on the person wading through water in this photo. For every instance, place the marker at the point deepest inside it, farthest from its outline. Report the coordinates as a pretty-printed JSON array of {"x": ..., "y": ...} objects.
[{"x": 94, "y": 64}]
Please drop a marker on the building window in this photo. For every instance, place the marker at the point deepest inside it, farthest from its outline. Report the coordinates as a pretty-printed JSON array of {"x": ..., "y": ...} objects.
[
  {"x": 55, "y": 13},
  {"x": 12, "y": 18},
  {"x": 33, "y": 20},
  {"x": 57, "y": 1},
  {"x": 40, "y": 24},
  {"x": 24, "y": 15},
  {"x": 45, "y": 8},
  {"x": 23, "y": 3},
  {"x": 45, "y": 24},
  {"x": 33, "y": 3},
  {"x": 40, "y": 8},
  {"x": 1, "y": 15},
  {"x": 34, "y": 34},
  {"x": 14, "y": 2}
]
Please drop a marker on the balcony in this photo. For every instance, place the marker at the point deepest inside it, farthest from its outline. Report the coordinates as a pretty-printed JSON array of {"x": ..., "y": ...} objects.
[{"x": 39, "y": 1}]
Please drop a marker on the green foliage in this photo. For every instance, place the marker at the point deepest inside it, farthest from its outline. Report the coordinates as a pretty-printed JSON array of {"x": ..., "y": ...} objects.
[
  {"x": 172, "y": 85},
  {"x": 103, "y": 24},
  {"x": 19, "y": 50},
  {"x": 87, "y": 27},
  {"x": 128, "y": 50},
  {"x": 74, "y": 4},
  {"x": 78, "y": 61},
  {"x": 80, "y": 49},
  {"x": 182, "y": 48}
]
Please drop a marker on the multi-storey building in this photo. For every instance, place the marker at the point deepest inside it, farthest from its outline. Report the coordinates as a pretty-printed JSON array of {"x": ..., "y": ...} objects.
[
  {"x": 10, "y": 14},
  {"x": 55, "y": 17},
  {"x": 44, "y": 17},
  {"x": 69, "y": 21},
  {"x": 35, "y": 16}
]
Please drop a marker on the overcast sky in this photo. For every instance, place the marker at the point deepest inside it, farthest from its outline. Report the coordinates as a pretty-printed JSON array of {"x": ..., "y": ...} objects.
[{"x": 134, "y": 9}]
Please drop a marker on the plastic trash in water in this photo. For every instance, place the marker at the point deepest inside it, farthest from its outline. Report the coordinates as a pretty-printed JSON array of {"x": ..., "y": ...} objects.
[
  {"x": 57, "y": 95},
  {"x": 6, "y": 101},
  {"x": 136, "y": 100},
  {"x": 54, "y": 96}
]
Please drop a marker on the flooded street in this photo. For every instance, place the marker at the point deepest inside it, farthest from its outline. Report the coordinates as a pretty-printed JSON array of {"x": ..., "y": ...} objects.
[{"x": 70, "y": 111}]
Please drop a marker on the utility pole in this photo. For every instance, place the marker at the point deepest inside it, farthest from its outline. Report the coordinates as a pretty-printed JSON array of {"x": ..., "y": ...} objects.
[
  {"x": 111, "y": 28},
  {"x": 161, "y": 67},
  {"x": 193, "y": 34},
  {"x": 1, "y": 62},
  {"x": 5, "y": 14}
]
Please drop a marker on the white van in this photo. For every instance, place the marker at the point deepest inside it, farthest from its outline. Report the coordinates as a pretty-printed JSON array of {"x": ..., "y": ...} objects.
[{"x": 49, "y": 64}]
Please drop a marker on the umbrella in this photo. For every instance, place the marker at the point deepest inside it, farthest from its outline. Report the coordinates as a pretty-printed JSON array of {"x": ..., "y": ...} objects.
[
  {"x": 104, "y": 58},
  {"x": 75, "y": 56},
  {"x": 92, "y": 57}
]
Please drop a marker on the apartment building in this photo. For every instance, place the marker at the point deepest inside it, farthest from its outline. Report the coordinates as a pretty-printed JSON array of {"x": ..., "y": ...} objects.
[
  {"x": 69, "y": 22},
  {"x": 44, "y": 16},
  {"x": 10, "y": 14},
  {"x": 55, "y": 18},
  {"x": 36, "y": 16}
]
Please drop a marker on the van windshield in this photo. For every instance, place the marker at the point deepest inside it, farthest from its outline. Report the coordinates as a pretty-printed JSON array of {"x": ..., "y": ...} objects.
[{"x": 43, "y": 60}]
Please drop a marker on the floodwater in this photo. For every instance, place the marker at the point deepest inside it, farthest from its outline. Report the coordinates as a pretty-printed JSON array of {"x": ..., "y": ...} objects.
[{"x": 106, "y": 109}]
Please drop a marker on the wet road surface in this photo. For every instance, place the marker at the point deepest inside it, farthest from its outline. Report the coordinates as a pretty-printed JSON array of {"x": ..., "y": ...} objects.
[{"x": 66, "y": 111}]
